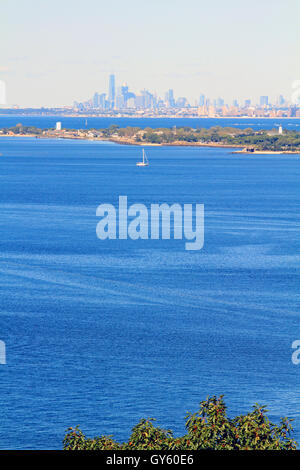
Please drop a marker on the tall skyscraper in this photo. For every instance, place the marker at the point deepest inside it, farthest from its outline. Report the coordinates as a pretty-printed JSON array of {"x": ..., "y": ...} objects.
[
  {"x": 264, "y": 101},
  {"x": 148, "y": 99},
  {"x": 96, "y": 100},
  {"x": 202, "y": 100},
  {"x": 2, "y": 92},
  {"x": 102, "y": 101},
  {"x": 111, "y": 91},
  {"x": 123, "y": 95},
  {"x": 120, "y": 101},
  {"x": 281, "y": 100},
  {"x": 169, "y": 98}
]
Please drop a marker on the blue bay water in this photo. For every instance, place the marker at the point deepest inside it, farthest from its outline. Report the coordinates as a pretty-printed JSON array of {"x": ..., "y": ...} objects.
[{"x": 103, "y": 333}]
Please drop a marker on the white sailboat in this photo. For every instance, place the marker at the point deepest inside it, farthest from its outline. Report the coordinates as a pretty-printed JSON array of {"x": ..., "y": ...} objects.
[{"x": 145, "y": 161}]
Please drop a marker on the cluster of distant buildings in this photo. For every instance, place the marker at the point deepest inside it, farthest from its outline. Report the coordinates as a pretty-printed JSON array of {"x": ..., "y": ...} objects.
[
  {"x": 122, "y": 101},
  {"x": 122, "y": 98},
  {"x": 282, "y": 108}
]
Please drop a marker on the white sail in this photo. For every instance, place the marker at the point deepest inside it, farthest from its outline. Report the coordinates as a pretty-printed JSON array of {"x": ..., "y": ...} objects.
[{"x": 145, "y": 161}]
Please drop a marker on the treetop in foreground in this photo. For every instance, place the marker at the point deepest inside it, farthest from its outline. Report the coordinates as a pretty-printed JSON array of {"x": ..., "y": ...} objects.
[{"x": 208, "y": 429}]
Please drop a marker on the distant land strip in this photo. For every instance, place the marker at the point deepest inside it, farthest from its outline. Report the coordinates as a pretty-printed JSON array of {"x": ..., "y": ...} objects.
[{"x": 246, "y": 140}]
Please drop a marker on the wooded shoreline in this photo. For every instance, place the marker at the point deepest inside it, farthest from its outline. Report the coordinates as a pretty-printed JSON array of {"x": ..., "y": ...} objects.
[{"x": 246, "y": 141}]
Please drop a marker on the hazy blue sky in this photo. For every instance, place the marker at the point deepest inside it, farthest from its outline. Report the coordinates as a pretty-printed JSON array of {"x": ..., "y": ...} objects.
[{"x": 54, "y": 52}]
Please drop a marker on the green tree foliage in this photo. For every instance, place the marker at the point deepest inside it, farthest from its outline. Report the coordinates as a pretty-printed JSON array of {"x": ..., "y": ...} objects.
[
  {"x": 259, "y": 140},
  {"x": 288, "y": 141},
  {"x": 210, "y": 428},
  {"x": 20, "y": 129}
]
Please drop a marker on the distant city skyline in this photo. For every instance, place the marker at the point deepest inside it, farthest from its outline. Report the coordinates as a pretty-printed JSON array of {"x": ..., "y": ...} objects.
[
  {"x": 54, "y": 52},
  {"x": 112, "y": 96},
  {"x": 122, "y": 97},
  {"x": 119, "y": 99}
]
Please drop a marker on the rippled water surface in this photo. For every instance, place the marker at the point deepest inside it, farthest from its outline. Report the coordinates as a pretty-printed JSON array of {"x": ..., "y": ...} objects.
[{"x": 102, "y": 333}]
